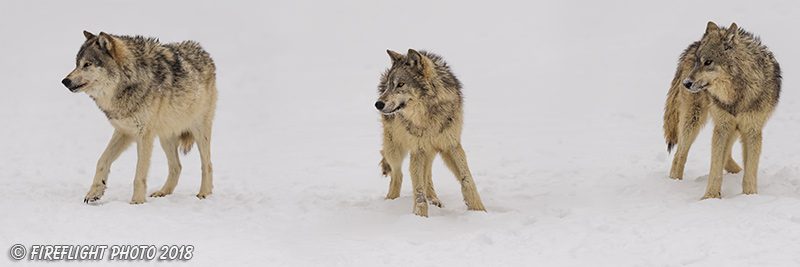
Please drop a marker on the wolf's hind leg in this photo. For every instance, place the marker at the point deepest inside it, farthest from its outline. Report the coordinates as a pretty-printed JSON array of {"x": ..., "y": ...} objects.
[
  {"x": 751, "y": 147},
  {"x": 203, "y": 139},
  {"x": 456, "y": 160},
  {"x": 170, "y": 147},
  {"x": 144, "y": 149},
  {"x": 730, "y": 164},
  {"x": 691, "y": 122},
  {"x": 118, "y": 143}
]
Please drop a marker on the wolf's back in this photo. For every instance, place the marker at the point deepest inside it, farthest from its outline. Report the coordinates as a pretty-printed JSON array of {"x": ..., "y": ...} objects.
[{"x": 193, "y": 53}]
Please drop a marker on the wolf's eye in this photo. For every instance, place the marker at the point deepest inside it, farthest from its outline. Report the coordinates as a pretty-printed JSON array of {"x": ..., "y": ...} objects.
[
  {"x": 87, "y": 64},
  {"x": 708, "y": 62},
  {"x": 400, "y": 84}
]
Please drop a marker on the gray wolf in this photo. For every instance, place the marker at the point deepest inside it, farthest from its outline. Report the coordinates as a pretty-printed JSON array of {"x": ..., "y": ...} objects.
[
  {"x": 148, "y": 89},
  {"x": 421, "y": 106},
  {"x": 730, "y": 75}
]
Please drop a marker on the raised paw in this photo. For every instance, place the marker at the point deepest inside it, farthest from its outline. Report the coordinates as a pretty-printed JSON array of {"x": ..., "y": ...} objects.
[
  {"x": 385, "y": 168},
  {"x": 732, "y": 167}
]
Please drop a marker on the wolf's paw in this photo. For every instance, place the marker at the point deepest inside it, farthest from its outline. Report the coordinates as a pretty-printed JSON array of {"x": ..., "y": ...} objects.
[
  {"x": 421, "y": 209},
  {"x": 435, "y": 201},
  {"x": 385, "y": 168},
  {"x": 392, "y": 195},
  {"x": 203, "y": 195},
  {"x": 477, "y": 205},
  {"x": 88, "y": 199},
  {"x": 95, "y": 192},
  {"x": 732, "y": 167},
  {"x": 160, "y": 193},
  {"x": 749, "y": 191},
  {"x": 136, "y": 201},
  {"x": 709, "y": 195}
]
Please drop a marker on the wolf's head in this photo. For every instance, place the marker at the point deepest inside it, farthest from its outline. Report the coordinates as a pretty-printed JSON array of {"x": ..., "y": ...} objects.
[
  {"x": 402, "y": 84},
  {"x": 97, "y": 71},
  {"x": 715, "y": 53}
]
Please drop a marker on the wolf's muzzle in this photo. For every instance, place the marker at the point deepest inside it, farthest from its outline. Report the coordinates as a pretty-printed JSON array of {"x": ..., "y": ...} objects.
[
  {"x": 72, "y": 87},
  {"x": 687, "y": 83},
  {"x": 380, "y": 105},
  {"x": 693, "y": 86}
]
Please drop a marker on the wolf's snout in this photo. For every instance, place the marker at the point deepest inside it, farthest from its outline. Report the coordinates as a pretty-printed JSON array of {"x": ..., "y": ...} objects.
[
  {"x": 380, "y": 105},
  {"x": 72, "y": 85},
  {"x": 687, "y": 83}
]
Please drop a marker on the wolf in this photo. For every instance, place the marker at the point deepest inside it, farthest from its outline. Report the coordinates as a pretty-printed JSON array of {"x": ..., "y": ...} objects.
[
  {"x": 422, "y": 113},
  {"x": 732, "y": 77},
  {"x": 148, "y": 89}
]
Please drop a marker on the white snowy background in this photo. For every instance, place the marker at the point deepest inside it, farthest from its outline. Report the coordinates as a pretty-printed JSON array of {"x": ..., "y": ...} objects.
[{"x": 563, "y": 115}]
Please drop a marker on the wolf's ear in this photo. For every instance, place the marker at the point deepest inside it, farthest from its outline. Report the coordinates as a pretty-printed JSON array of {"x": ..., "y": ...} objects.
[
  {"x": 419, "y": 62},
  {"x": 88, "y": 35},
  {"x": 106, "y": 42},
  {"x": 711, "y": 27},
  {"x": 731, "y": 34},
  {"x": 394, "y": 55}
]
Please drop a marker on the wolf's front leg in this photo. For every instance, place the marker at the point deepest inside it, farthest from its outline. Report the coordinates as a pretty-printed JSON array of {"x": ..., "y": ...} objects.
[
  {"x": 396, "y": 181},
  {"x": 418, "y": 160},
  {"x": 719, "y": 141},
  {"x": 391, "y": 164},
  {"x": 144, "y": 147},
  {"x": 118, "y": 143},
  {"x": 430, "y": 194}
]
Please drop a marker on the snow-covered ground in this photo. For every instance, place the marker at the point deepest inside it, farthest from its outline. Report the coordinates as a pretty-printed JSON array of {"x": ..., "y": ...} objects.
[{"x": 563, "y": 135}]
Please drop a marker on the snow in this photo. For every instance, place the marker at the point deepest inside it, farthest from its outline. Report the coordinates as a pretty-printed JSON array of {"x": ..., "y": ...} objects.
[{"x": 562, "y": 131}]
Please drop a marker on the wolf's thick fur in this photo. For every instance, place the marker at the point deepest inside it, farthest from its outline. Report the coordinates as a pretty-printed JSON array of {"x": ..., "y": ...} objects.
[
  {"x": 730, "y": 75},
  {"x": 148, "y": 89},
  {"x": 421, "y": 105}
]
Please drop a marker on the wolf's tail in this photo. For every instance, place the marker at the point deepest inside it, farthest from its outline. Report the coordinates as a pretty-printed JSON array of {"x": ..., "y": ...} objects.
[
  {"x": 186, "y": 140},
  {"x": 672, "y": 111}
]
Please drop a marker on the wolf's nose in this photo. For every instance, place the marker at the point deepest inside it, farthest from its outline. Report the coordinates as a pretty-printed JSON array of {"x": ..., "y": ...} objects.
[
  {"x": 66, "y": 82},
  {"x": 379, "y": 105},
  {"x": 687, "y": 83}
]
